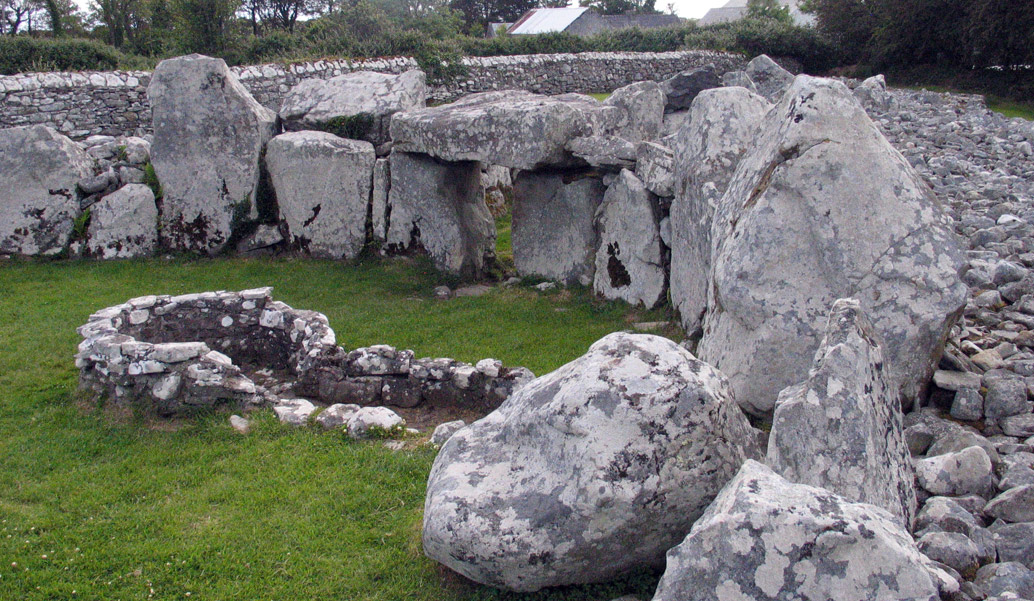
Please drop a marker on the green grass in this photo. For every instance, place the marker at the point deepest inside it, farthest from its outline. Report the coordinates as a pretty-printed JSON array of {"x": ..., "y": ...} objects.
[
  {"x": 601, "y": 96},
  {"x": 115, "y": 509},
  {"x": 1024, "y": 110}
]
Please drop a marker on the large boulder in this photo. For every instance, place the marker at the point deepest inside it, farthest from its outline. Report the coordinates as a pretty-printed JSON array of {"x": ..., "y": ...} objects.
[
  {"x": 682, "y": 89},
  {"x": 322, "y": 185},
  {"x": 123, "y": 224},
  {"x": 440, "y": 207},
  {"x": 631, "y": 256},
  {"x": 586, "y": 472},
  {"x": 721, "y": 127},
  {"x": 842, "y": 428},
  {"x": 512, "y": 128},
  {"x": 770, "y": 80},
  {"x": 554, "y": 235},
  {"x": 209, "y": 134},
  {"x": 643, "y": 106},
  {"x": 767, "y": 538},
  {"x": 824, "y": 208},
  {"x": 38, "y": 198},
  {"x": 354, "y": 105}
]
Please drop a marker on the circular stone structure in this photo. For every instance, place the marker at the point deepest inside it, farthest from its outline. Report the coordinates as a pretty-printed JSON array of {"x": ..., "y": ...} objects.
[{"x": 173, "y": 355}]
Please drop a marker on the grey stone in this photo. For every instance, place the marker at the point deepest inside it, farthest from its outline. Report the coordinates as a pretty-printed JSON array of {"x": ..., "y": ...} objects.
[
  {"x": 1006, "y": 578},
  {"x": 355, "y": 97},
  {"x": 956, "y": 380},
  {"x": 739, "y": 79},
  {"x": 604, "y": 151},
  {"x": 379, "y": 199},
  {"x": 766, "y": 538},
  {"x": 322, "y": 185},
  {"x": 655, "y": 166},
  {"x": 336, "y": 416},
  {"x": 771, "y": 80},
  {"x": 780, "y": 254},
  {"x": 945, "y": 514},
  {"x": 209, "y": 136},
  {"x": 1014, "y": 505},
  {"x": 721, "y": 127},
  {"x": 553, "y": 232},
  {"x": 124, "y": 224},
  {"x": 1015, "y": 542},
  {"x": 1005, "y": 396},
  {"x": 295, "y": 412},
  {"x": 630, "y": 257},
  {"x": 38, "y": 202},
  {"x": 952, "y": 549},
  {"x": 1018, "y": 425},
  {"x": 443, "y": 432},
  {"x": 682, "y": 89},
  {"x": 841, "y": 429},
  {"x": 588, "y": 471},
  {"x": 959, "y": 473},
  {"x": 643, "y": 106},
  {"x": 968, "y": 405},
  {"x": 440, "y": 207},
  {"x": 956, "y": 438},
  {"x": 262, "y": 240},
  {"x": 240, "y": 424},
  {"x": 872, "y": 93},
  {"x": 374, "y": 421}
]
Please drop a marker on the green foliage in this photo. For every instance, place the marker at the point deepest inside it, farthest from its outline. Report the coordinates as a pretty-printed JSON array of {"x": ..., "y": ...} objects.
[
  {"x": 767, "y": 36},
  {"x": 621, "y": 7},
  {"x": 151, "y": 181},
  {"x": 80, "y": 224},
  {"x": 203, "y": 25},
  {"x": 353, "y": 127},
  {"x": 22, "y": 53},
  {"x": 768, "y": 9}
]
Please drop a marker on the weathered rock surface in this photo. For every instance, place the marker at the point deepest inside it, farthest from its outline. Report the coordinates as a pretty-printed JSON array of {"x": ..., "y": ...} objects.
[
  {"x": 655, "y": 166},
  {"x": 588, "y": 471},
  {"x": 123, "y": 224},
  {"x": 604, "y": 151},
  {"x": 322, "y": 185},
  {"x": 791, "y": 235},
  {"x": 209, "y": 134},
  {"x": 379, "y": 199},
  {"x": 511, "y": 128},
  {"x": 682, "y": 89},
  {"x": 440, "y": 207},
  {"x": 359, "y": 103},
  {"x": 770, "y": 79},
  {"x": 1014, "y": 505},
  {"x": 643, "y": 106},
  {"x": 553, "y": 232},
  {"x": 957, "y": 473},
  {"x": 630, "y": 258},
  {"x": 872, "y": 93},
  {"x": 767, "y": 538},
  {"x": 722, "y": 126},
  {"x": 739, "y": 79},
  {"x": 38, "y": 200},
  {"x": 443, "y": 432},
  {"x": 841, "y": 429}
]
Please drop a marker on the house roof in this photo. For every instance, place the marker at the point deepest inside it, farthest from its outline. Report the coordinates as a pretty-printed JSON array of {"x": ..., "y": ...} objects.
[{"x": 546, "y": 20}]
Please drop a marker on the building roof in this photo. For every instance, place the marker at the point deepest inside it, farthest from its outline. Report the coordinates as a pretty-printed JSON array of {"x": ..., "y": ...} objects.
[{"x": 546, "y": 20}]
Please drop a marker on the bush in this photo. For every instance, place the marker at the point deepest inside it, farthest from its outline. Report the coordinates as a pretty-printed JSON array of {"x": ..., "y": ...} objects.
[
  {"x": 21, "y": 54},
  {"x": 767, "y": 36}
]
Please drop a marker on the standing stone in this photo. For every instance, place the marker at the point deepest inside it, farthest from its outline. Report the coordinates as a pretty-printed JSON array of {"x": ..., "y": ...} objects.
[
  {"x": 38, "y": 202},
  {"x": 440, "y": 207},
  {"x": 872, "y": 93},
  {"x": 765, "y": 538},
  {"x": 842, "y": 428},
  {"x": 587, "y": 472},
  {"x": 354, "y": 105},
  {"x": 123, "y": 224},
  {"x": 553, "y": 230},
  {"x": 209, "y": 134},
  {"x": 643, "y": 106},
  {"x": 823, "y": 208},
  {"x": 722, "y": 126},
  {"x": 322, "y": 185},
  {"x": 769, "y": 78},
  {"x": 630, "y": 257},
  {"x": 379, "y": 199}
]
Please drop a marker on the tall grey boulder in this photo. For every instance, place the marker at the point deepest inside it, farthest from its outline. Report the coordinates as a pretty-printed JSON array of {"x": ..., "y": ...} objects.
[
  {"x": 586, "y": 472},
  {"x": 770, "y": 80},
  {"x": 554, "y": 234},
  {"x": 630, "y": 258},
  {"x": 821, "y": 208},
  {"x": 842, "y": 428},
  {"x": 39, "y": 169},
  {"x": 440, "y": 207},
  {"x": 722, "y": 126},
  {"x": 643, "y": 107},
  {"x": 123, "y": 224},
  {"x": 360, "y": 104},
  {"x": 322, "y": 185},
  {"x": 209, "y": 134},
  {"x": 765, "y": 538},
  {"x": 512, "y": 128}
]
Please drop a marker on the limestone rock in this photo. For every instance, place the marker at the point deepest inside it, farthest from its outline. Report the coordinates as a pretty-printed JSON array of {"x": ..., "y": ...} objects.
[
  {"x": 1014, "y": 505},
  {"x": 553, "y": 229},
  {"x": 655, "y": 166},
  {"x": 872, "y": 93},
  {"x": 336, "y": 416},
  {"x": 38, "y": 202},
  {"x": 739, "y": 79},
  {"x": 766, "y": 538},
  {"x": 792, "y": 234},
  {"x": 841, "y": 429},
  {"x": 630, "y": 256},
  {"x": 643, "y": 106},
  {"x": 770, "y": 79},
  {"x": 360, "y": 104},
  {"x": 369, "y": 421},
  {"x": 604, "y": 151},
  {"x": 952, "y": 549},
  {"x": 443, "y": 432},
  {"x": 722, "y": 126},
  {"x": 954, "y": 474},
  {"x": 209, "y": 134},
  {"x": 295, "y": 412},
  {"x": 586, "y": 472},
  {"x": 681, "y": 89},
  {"x": 379, "y": 199},
  {"x": 322, "y": 185},
  {"x": 1015, "y": 542},
  {"x": 511, "y": 128},
  {"x": 123, "y": 224},
  {"x": 440, "y": 207}
]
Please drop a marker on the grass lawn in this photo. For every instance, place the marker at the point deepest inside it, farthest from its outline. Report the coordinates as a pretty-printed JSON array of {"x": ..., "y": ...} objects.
[{"x": 94, "y": 508}]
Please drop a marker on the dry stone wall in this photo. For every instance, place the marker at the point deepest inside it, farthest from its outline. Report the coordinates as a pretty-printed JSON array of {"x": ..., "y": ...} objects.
[{"x": 115, "y": 103}]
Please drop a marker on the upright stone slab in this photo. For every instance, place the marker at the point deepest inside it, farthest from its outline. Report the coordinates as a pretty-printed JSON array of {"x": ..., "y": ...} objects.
[
  {"x": 630, "y": 257},
  {"x": 643, "y": 106},
  {"x": 842, "y": 428},
  {"x": 587, "y": 472},
  {"x": 354, "y": 105},
  {"x": 722, "y": 126},
  {"x": 440, "y": 208},
  {"x": 554, "y": 235},
  {"x": 821, "y": 208},
  {"x": 123, "y": 224},
  {"x": 769, "y": 78},
  {"x": 765, "y": 538},
  {"x": 209, "y": 134},
  {"x": 379, "y": 200},
  {"x": 39, "y": 169},
  {"x": 322, "y": 185}
]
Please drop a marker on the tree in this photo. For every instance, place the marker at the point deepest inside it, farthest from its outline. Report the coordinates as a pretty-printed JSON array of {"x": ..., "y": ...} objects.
[
  {"x": 15, "y": 14},
  {"x": 476, "y": 13},
  {"x": 622, "y": 7},
  {"x": 768, "y": 9},
  {"x": 1002, "y": 33},
  {"x": 203, "y": 25},
  {"x": 850, "y": 24}
]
